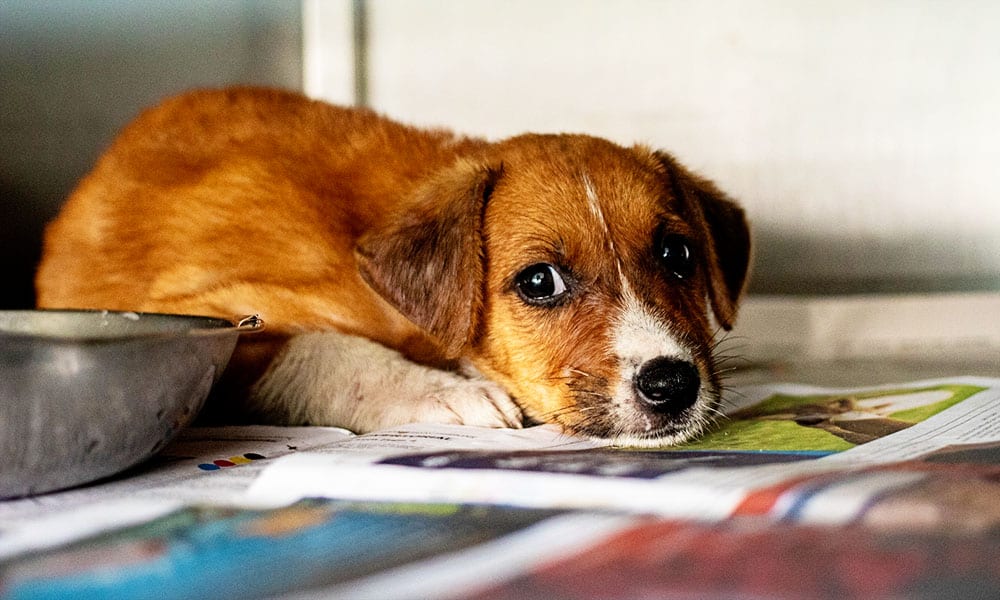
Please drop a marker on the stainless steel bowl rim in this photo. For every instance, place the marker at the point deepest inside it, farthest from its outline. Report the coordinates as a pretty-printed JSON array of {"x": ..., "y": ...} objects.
[{"x": 200, "y": 326}]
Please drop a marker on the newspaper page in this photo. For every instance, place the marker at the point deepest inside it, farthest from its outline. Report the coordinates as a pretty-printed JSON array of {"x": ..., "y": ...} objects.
[
  {"x": 209, "y": 465},
  {"x": 225, "y": 552},
  {"x": 580, "y": 556},
  {"x": 217, "y": 465},
  {"x": 333, "y": 549}
]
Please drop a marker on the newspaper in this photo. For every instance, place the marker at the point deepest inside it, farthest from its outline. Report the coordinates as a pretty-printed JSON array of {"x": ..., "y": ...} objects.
[
  {"x": 329, "y": 549},
  {"x": 217, "y": 465},
  {"x": 207, "y": 465},
  {"x": 448, "y": 511},
  {"x": 791, "y": 452},
  {"x": 775, "y": 436}
]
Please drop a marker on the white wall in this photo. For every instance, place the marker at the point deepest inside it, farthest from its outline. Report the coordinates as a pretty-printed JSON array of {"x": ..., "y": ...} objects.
[{"x": 861, "y": 136}]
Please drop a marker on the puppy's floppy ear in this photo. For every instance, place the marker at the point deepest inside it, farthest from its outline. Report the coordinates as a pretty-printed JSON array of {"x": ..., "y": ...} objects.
[
  {"x": 726, "y": 236},
  {"x": 429, "y": 262}
]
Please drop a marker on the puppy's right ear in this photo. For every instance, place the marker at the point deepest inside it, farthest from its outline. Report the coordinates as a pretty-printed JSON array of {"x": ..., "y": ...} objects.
[
  {"x": 726, "y": 236},
  {"x": 429, "y": 262}
]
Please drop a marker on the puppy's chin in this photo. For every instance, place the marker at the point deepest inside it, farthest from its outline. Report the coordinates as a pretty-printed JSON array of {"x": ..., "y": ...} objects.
[
  {"x": 618, "y": 412},
  {"x": 676, "y": 431},
  {"x": 611, "y": 409},
  {"x": 633, "y": 424}
]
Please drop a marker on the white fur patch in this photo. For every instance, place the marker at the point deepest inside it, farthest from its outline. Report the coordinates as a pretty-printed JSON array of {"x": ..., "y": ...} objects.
[
  {"x": 639, "y": 337},
  {"x": 593, "y": 203}
]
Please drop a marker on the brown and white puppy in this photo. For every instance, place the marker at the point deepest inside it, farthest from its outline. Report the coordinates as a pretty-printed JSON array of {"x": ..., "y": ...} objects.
[{"x": 410, "y": 275}]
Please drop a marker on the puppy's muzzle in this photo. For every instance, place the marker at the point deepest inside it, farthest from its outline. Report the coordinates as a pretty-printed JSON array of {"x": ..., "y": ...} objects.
[{"x": 667, "y": 385}]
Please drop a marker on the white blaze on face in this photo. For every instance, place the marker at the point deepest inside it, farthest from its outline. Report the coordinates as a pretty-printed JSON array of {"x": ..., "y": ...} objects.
[
  {"x": 594, "y": 204},
  {"x": 637, "y": 338}
]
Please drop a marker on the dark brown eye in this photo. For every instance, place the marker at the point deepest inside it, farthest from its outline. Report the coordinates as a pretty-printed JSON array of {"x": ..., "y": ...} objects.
[
  {"x": 674, "y": 253},
  {"x": 540, "y": 284}
]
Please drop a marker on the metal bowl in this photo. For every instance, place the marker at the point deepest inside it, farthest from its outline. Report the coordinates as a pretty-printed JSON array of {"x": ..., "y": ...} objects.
[{"x": 87, "y": 394}]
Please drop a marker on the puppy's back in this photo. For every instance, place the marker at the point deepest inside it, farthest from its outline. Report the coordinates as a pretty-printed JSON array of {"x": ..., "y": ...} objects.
[{"x": 219, "y": 202}]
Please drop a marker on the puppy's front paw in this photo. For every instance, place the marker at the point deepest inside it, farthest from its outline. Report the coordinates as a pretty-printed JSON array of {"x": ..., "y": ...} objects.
[
  {"x": 470, "y": 402},
  {"x": 331, "y": 378}
]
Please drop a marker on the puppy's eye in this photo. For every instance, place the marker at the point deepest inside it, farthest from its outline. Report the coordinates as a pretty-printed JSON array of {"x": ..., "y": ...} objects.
[
  {"x": 540, "y": 284},
  {"x": 674, "y": 253}
]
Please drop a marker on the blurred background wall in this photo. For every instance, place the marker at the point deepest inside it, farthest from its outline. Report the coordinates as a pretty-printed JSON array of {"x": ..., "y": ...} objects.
[
  {"x": 72, "y": 73},
  {"x": 861, "y": 136}
]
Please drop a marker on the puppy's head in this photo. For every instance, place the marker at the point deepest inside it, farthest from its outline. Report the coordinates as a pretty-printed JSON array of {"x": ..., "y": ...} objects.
[{"x": 578, "y": 274}]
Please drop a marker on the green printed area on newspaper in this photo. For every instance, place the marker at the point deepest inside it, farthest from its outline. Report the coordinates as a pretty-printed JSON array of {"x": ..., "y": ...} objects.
[{"x": 829, "y": 422}]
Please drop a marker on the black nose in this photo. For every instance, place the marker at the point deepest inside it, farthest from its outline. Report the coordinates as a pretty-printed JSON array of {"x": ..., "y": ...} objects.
[{"x": 668, "y": 385}]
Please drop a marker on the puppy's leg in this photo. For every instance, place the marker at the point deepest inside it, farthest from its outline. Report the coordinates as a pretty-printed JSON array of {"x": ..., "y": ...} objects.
[{"x": 331, "y": 378}]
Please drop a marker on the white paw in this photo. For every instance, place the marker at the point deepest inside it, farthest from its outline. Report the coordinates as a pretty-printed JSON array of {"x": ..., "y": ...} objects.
[
  {"x": 430, "y": 396},
  {"x": 469, "y": 402},
  {"x": 335, "y": 379}
]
